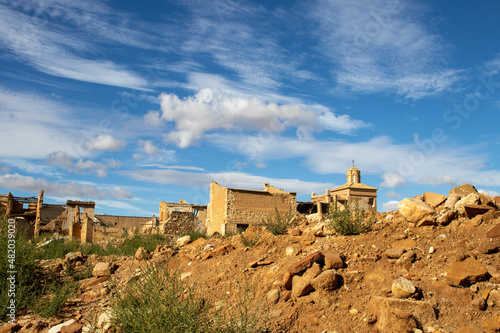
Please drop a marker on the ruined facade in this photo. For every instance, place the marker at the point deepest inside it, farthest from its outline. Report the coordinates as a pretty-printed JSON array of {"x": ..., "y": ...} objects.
[
  {"x": 30, "y": 212},
  {"x": 80, "y": 220},
  {"x": 180, "y": 223},
  {"x": 231, "y": 208},
  {"x": 351, "y": 193},
  {"x": 166, "y": 209},
  {"x": 126, "y": 222}
]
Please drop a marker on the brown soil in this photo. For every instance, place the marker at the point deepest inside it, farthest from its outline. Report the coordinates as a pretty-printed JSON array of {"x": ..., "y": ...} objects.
[{"x": 367, "y": 275}]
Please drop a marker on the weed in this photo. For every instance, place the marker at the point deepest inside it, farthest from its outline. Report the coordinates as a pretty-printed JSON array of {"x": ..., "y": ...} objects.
[
  {"x": 159, "y": 302},
  {"x": 247, "y": 315},
  {"x": 280, "y": 221},
  {"x": 346, "y": 221},
  {"x": 55, "y": 296},
  {"x": 230, "y": 234},
  {"x": 195, "y": 235},
  {"x": 249, "y": 242},
  {"x": 23, "y": 263},
  {"x": 82, "y": 274}
]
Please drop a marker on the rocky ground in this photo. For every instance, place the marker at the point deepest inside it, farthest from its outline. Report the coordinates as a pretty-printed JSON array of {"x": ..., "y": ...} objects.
[{"x": 431, "y": 266}]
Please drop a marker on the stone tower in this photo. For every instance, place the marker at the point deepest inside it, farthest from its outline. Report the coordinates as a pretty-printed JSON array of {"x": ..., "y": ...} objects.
[{"x": 353, "y": 175}]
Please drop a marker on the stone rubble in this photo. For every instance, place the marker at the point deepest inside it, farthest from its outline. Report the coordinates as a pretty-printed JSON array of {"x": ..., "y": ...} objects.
[{"x": 431, "y": 266}]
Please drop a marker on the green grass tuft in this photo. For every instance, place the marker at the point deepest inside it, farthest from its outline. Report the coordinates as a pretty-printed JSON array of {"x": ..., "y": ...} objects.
[{"x": 348, "y": 221}]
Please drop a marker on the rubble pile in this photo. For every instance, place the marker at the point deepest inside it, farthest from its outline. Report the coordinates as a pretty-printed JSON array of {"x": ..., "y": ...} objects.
[{"x": 431, "y": 266}]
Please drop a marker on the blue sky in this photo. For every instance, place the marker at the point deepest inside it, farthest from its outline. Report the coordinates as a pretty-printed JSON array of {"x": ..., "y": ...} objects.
[{"x": 130, "y": 103}]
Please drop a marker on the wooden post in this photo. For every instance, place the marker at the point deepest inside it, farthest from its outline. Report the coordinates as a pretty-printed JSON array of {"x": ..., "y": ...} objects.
[
  {"x": 38, "y": 218},
  {"x": 10, "y": 205}
]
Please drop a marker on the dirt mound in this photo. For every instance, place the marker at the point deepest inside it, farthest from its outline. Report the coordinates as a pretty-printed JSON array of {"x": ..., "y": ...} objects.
[{"x": 310, "y": 281}]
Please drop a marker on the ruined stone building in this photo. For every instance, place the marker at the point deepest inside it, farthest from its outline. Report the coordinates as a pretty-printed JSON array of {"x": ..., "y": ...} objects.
[
  {"x": 177, "y": 219},
  {"x": 80, "y": 220},
  {"x": 31, "y": 212},
  {"x": 230, "y": 209},
  {"x": 168, "y": 208},
  {"x": 351, "y": 193}
]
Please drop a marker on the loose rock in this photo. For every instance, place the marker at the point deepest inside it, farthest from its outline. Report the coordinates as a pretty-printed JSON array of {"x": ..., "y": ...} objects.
[{"x": 403, "y": 288}]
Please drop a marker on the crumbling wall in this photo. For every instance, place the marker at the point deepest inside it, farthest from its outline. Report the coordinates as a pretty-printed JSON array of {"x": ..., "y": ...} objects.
[
  {"x": 87, "y": 233},
  {"x": 164, "y": 212},
  {"x": 217, "y": 209},
  {"x": 126, "y": 222},
  {"x": 254, "y": 207},
  {"x": 101, "y": 233},
  {"x": 180, "y": 223}
]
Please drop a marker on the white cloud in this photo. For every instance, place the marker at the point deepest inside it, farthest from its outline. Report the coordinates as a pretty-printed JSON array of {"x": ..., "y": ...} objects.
[
  {"x": 230, "y": 179},
  {"x": 149, "y": 147},
  {"x": 90, "y": 167},
  {"x": 416, "y": 163},
  {"x": 392, "y": 180},
  {"x": 390, "y": 206},
  {"x": 29, "y": 166},
  {"x": 82, "y": 166},
  {"x": 491, "y": 193},
  {"x": 383, "y": 47},
  {"x": 393, "y": 195},
  {"x": 211, "y": 110},
  {"x": 45, "y": 48},
  {"x": 105, "y": 142},
  {"x": 153, "y": 118},
  {"x": 47, "y": 122},
  {"x": 59, "y": 158},
  {"x": 70, "y": 189},
  {"x": 121, "y": 193}
]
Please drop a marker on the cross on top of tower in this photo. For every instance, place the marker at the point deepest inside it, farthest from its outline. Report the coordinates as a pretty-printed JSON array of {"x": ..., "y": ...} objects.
[{"x": 353, "y": 163}]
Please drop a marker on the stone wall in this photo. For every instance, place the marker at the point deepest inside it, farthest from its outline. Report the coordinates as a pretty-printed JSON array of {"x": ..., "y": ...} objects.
[
  {"x": 101, "y": 233},
  {"x": 127, "y": 222},
  {"x": 252, "y": 207},
  {"x": 180, "y": 223},
  {"x": 51, "y": 212},
  {"x": 217, "y": 209},
  {"x": 230, "y": 207}
]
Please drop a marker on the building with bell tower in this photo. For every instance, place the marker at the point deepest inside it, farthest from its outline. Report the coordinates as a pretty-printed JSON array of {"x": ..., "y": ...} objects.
[{"x": 351, "y": 193}]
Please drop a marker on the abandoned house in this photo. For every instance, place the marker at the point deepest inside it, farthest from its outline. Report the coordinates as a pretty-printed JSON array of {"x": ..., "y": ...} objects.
[
  {"x": 80, "y": 220},
  {"x": 351, "y": 193},
  {"x": 31, "y": 212},
  {"x": 167, "y": 208},
  {"x": 231, "y": 209}
]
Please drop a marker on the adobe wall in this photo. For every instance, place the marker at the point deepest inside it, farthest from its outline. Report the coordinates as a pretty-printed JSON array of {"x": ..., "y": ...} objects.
[
  {"x": 217, "y": 209},
  {"x": 101, "y": 233},
  {"x": 124, "y": 221},
  {"x": 51, "y": 212},
  {"x": 254, "y": 207}
]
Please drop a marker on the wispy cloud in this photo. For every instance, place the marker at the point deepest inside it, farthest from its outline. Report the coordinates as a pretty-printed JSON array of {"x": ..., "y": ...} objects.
[
  {"x": 48, "y": 123},
  {"x": 70, "y": 189},
  {"x": 45, "y": 47},
  {"x": 231, "y": 179},
  {"x": 382, "y": 47},
  {"x": 82, "y": 166},
  {"x": 399, "y": 163}
]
